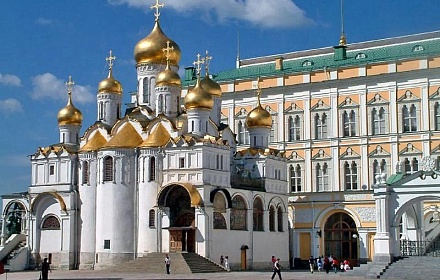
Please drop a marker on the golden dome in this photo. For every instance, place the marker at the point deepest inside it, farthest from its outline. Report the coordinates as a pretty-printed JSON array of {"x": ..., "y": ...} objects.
[
  {"x": 343, "y": 40},
  {"x": 70, "y": 114},
  {"x": 168, "y": 77},
  {"x": 198, "y": 97},
  {"x": 110, "y": 85},
  {"x": 259, "y": 117},
  {"x": 149, "y": 49},
  {"x": 211, "y": 86}
]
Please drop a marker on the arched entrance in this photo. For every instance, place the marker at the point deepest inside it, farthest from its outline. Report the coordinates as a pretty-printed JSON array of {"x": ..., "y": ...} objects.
[
  {"x": 340, "y": 237},
  {"x": 179, "y": 199}
]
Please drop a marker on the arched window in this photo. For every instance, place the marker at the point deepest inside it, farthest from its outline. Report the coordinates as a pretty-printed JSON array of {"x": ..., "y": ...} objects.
[
  {"x": 160, "y": 106},
  {"x": 152, "y": 218},
  {"x": 50, "y": 223},
  {"x": 146, "y": 91},
  {"x": 294, "y": 128},
  {"x": 85, "y": 173},
  {"x": 258, "y": 214},
  {"x": 271, "y": 218},
  {"x": 322, "y": 177},
  {"x": 378, "y": 121},
  {"x": 321, "y": 126},
  {"x": 411, "y": 166},
  {"x": 219, "y": 204},
  {"x": 409, "y": 118},
  {"x": 437, "y": 116},
  {"x": 379, "y": 167},
  {"x": 295, "y": 178},
  {"x": 350, "y": 172},
  {"x": 349, "y": 123},
  {"x": 238, "y": 214},
  {"x": 152, "y": 169},
  {"x": 280, "y": 219},
  {"x": 108, "y": 169},
  {"x": 243, "y": 134}
]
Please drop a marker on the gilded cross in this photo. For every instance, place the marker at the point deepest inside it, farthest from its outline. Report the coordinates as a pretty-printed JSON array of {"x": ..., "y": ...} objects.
[
  {"x": 259, "y": 83},
  {"x": 110, "y": 59},
  {"x": 198, "y": 63},
  {"x": 207, "y": 61},
  {"x": 168, "y": 50},
  {"x": 70, "y": 84},
  {"x": 157, "y": 6}
]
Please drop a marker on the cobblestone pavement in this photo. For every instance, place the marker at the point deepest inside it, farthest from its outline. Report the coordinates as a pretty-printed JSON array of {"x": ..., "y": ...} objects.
[{"x": 101, "y": 275}]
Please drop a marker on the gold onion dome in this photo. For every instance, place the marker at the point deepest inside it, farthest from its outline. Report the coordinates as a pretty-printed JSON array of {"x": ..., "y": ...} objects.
[
  {"x": 149, "y": 49},
  {"x": 110, "y": 85},
  {"x": 70, "y": 114},
  {"x": 168, "y": 77},
  {"x": 198, "y": 97},
  {"x": 211, "y": 86},
  {"x": 259, "y": 117}
]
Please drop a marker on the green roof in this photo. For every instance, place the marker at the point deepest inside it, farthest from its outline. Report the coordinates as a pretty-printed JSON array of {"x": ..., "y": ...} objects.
[
  {"x": 373, "y": 52},
  {"x": 395, "y": 178}
]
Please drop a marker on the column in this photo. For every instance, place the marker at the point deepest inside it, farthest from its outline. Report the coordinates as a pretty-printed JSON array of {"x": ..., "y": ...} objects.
[{"x": 382, "y": 241}]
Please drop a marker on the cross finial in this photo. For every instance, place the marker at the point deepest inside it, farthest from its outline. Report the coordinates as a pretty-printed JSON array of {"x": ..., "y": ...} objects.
[
  {"x": 157, "y": 6},
  {"x": 207, "y": 61},
  {"x": 198, "y": 64},
  {"x": 69, "y": 85},
  {"x": 259, "y": 83},
  {"x": 168, "y": 50},
  {"x": 110, "y": 60}
]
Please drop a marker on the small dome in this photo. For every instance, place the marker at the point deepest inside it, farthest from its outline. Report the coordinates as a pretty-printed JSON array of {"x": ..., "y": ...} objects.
[
  {"x": 211, "y": 86},
  {"x": 110, "y": 85},
  {"x": 197, "y": 97},
  {"x": 70, "y": 114},
  {"x": 149, "y": 49},
  {"x": 259, "y": 117},
  {"x": 168, "y": 77}
]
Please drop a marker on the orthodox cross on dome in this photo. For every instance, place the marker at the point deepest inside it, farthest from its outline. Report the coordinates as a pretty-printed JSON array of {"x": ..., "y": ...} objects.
[
  {"x": 198, "y": 64},
  {"x": 207, "y": 61},
  {"x": 168, "y": 50},
  {"x": 157, "y": 6},
  {"x": 69, "y": 85},
  {"x": 259, "y": 83},
  {"x": 110, "y": 60}
]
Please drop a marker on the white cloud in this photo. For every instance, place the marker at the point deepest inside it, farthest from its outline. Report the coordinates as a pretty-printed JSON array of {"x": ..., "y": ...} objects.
[
  {"x": 10, "y": 105},
  {"x": 44, "y": 21},
  {"x": 48, "y": 85},
  {"x": 263, "y": 13},
  {"x": 11, "y": 80}
]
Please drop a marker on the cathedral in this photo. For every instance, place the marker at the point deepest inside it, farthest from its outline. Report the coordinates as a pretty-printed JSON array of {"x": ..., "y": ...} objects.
[{"x": 164, "y": 176}]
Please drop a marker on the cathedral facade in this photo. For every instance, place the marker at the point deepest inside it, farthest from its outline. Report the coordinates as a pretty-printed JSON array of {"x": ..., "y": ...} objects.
[{"x": 163, "y": 177}]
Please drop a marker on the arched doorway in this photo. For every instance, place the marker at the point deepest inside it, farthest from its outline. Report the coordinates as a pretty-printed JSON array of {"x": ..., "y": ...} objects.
[
  {"x": 181, "y": 218},
  {"x": 340, "y": 237},
  {"x": 14, "y": 219}
]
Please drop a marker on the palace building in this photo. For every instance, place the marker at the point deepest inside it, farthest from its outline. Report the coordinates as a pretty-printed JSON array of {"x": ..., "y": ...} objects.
[{"x": 331, "y": 151}]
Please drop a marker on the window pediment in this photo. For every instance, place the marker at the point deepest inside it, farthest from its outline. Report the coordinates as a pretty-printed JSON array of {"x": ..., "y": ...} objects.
[
  {"x": 242, "y": 113},
  {"x": 410, "y": 150},
  {"x": 320, "y": 105},
  {"x": 408, "y": 97},
  {"x": 321, "y": 155},
  {"x": 348, "y": 103},
  {"x": 379, "y": 152},
  {"x": 293, "y": 108},
  {"x": 270, "y": 110},
  {"x": 377, "y": 100},
  {"x": 295, "y": 157},
  {"x": 436, "y": 94},
  {"x": 350, "y": 154}
]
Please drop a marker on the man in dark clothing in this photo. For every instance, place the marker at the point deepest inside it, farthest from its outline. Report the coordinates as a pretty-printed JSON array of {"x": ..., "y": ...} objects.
[
  {"x": 276, "y": 270},
  {"x": 45, "y": 268},
  {"x": 167, "y": 263}
]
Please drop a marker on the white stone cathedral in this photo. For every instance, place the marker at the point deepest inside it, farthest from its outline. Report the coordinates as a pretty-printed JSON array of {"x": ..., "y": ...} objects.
[{"x": 164, "y": 177}]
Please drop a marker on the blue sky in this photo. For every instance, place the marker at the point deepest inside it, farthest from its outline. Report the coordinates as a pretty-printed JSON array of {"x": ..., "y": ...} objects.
[{"x": 43, "y": 42}]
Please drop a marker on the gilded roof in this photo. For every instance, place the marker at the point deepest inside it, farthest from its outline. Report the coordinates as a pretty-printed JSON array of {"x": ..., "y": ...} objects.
[
  {"x": 127, "y": 137},
  {"x": 96, "y": 142},
  {"x": 264, "y": 152},
  {"x": 157, "y": 138}
]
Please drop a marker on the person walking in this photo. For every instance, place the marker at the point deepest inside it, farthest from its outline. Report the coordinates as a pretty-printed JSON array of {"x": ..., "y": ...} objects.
[
  {"x": 335, "y": 264},
  {"x": 276, "y": 269},
  {"x": 222, "y": 260},
  {"x": 45, "y": 268},
  {"x": 226, "y": 261},
  {"x": 167, "y": 263},
  {"x": 312, "y": 264}
]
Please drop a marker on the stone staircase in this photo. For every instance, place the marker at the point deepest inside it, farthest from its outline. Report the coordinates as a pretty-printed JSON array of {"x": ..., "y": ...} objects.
[
  {"x": 370, "y": 270},
  {"x": 181, "y": 263}
]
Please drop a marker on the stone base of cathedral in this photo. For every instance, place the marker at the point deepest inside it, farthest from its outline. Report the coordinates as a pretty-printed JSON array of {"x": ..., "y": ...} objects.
[{"x": 105, "y": 260}]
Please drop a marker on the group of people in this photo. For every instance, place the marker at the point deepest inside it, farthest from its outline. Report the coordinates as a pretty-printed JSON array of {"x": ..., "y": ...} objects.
[
  {"x": 224, "y": 261},
  {"x": 328, "y": 263}
]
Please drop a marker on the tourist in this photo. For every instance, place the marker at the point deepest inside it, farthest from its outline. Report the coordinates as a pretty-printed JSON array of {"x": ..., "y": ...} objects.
[
  {"x": 226, "y": 261},
  {"x": 346, "y": 265},
  {"x": 312, "y": 264},
  {"x": 335, "y": 264},
  {"x": 276, "y": 269},
  {"x": 45, "y": 268},
  {"x": 222, "y": 260},
  {"x": 319, "y": 265},
  {"x": 167, "y": 263}
]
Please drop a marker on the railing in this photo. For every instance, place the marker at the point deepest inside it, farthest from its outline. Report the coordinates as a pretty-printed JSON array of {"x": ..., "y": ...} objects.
[{"x": 419, "y": 248}]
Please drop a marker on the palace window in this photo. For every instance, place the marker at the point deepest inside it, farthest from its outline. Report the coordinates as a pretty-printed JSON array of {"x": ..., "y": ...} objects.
[
  {"x": 349, "y": 123},
  {"x": 182, "y": 162},
  {"x": 152, "y": 169},
  {"x": 411, "y": 165},
  {"x": 258, "y": 214},
  {"x": 295, "y": 178},
  {"x": 50, "y": 223},
  {"x": 280, "y": 219},
  {"x": 350, "y": 173},
  {"x": 322, "y": 177},
  {"x": 409, "y": 118},
  {"x": 152, "y": 218},
  {"x": 85, "y": 173},
  {"x": 51, "y": 169},
  {"x": 437, "y": 116},
  {"x": 294, "y": 128},
  {"x": 108, "y": 169},
  {"x": 238, "y": 214},
  {"x": 273, "y": 130},
  {"x": 243, "y": 134},
  {"x": 379, "y": 167},
  {"x": 378, "y": 119},
  {"x": 321, "y": 126},
  {"x": 271, "y": 218}
]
